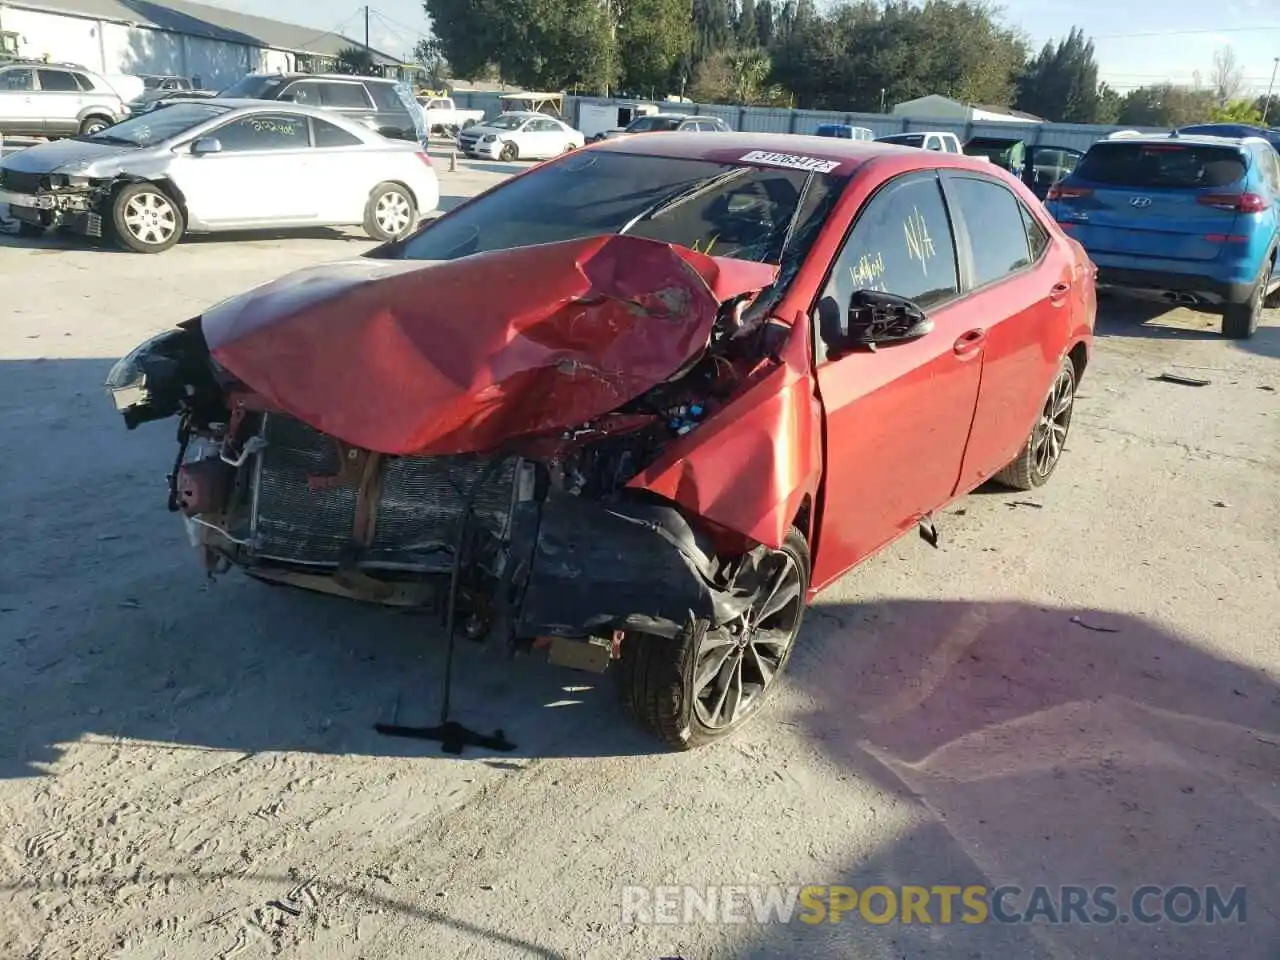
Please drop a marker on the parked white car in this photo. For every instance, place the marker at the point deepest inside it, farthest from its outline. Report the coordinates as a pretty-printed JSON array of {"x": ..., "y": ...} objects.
[
  {"x": 39, "y": 99},
  {"x": 209, "y": 165},
  {"x": 520, "y": 135},
  {"x": 442, "y": 114},
  {"x": 939, "y": 141}
]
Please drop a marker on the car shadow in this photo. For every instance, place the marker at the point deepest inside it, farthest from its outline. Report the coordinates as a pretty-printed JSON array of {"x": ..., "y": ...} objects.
[
  {"x": 1040, "y": 746},
  {"x": 1123, "y": 318},
  {"x": 54, "y": 242}
]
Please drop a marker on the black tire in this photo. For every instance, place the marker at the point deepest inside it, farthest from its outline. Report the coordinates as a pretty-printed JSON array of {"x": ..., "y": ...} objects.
[
  {"x": 94, "y": 124},
  {"x": 656, "y": 675},
  {"x": 391, "y": 212},
  {"x": 509, "y": 152},
  {"x": 1040, "y": 455},
  {"x": 1240, "y": 320},
  {"x": 146, "y": 219},
  {"x": 30, "y": 231}
]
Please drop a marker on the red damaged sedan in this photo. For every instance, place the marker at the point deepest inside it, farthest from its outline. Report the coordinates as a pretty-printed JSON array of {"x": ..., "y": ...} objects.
[{"x": 639, "y": 403}]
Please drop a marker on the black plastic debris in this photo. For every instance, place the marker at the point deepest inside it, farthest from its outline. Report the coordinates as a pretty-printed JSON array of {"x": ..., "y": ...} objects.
[{"x": 1182, "y": 380}]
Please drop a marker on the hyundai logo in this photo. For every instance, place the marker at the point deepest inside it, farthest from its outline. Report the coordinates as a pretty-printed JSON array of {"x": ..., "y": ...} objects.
[{"x": 1140, "y": 202}]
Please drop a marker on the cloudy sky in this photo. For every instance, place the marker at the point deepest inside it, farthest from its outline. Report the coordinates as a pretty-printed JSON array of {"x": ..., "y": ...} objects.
[{"x": 1135, "y": 46}]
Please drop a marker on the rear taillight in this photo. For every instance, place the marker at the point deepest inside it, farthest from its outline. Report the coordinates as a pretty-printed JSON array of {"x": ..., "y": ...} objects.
[
  {"x": 422, "y": 155},
  {"x": 1059, "y": 192},
  {"x": 1226, "y": 238},
  {"x": 1235, "y": 202}
]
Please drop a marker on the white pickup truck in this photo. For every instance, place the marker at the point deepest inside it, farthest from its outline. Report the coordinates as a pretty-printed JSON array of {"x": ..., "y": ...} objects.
[{"x": 443, "y": 116}]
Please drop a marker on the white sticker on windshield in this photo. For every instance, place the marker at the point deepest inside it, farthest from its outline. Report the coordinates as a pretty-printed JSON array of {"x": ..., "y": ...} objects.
[{"x": 791, "y": 160}]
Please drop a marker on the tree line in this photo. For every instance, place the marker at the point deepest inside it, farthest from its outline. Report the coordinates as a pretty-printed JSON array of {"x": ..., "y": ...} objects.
[{"x": 855, "y": 55}]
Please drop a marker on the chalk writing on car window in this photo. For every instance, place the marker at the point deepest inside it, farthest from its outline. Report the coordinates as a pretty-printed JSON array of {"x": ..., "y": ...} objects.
[
  {"x": 285, "y": 128},
  {"x": 697, "y": 246},
  {"x": 868, "y": 272},
  {"x": 919, "y": 243}
]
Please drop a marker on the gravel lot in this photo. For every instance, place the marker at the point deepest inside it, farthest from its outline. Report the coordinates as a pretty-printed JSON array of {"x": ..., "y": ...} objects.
[{"x": 179, "y": 757}]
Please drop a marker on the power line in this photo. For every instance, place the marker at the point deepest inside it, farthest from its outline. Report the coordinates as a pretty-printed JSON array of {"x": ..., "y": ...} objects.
[
  {"x": 336, "y": 31},
  {"x": 1184, "y": 33},
  {"x": 398, "y": 25}
]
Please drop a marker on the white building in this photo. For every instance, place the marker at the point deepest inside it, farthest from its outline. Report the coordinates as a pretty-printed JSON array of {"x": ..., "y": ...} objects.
[
  {"x": 937, "y": 107},
  {"x": 173, "y": 37}
]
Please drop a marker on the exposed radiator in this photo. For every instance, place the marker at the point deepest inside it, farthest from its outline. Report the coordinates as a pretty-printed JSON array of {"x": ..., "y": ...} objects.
[{"x": 418, "y": 514}]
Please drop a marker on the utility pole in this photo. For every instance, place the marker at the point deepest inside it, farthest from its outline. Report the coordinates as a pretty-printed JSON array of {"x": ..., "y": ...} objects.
[
  {"x": 1266, "y": 104},
  {"x": 366, "y": 26}
]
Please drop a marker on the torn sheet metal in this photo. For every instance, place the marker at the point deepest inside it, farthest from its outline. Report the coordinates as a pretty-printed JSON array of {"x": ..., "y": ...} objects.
[
  {"x": 413, "y": 357},
  {"x": 749, "y": 468}
]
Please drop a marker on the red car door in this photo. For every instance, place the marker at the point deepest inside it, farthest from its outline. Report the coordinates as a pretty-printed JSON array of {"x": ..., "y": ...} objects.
[
  {"x": 896, "y": 420},
  {"x": 1022, "y": 284}
]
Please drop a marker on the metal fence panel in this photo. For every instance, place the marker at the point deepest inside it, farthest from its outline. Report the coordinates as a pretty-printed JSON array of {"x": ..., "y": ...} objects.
[{"x": 1077, "y": 136}]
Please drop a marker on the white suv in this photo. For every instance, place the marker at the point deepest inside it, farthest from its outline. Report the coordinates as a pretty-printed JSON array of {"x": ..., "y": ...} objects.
[{"x": 39, "y": 99}]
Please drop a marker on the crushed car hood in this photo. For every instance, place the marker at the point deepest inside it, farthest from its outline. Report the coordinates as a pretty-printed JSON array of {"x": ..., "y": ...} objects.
[
  {"x": 67, "y": 155},
  {"x": 470, "y": 355}
]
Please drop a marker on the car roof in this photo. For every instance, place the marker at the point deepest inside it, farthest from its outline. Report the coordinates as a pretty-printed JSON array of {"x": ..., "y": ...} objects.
[
  {"x": 349, "y": 78},
  {"x": 272, "y": 106},
  {"x": 918, "y": 133},
  {"x": 732, "y": 147},
  {"x": 1202, "y": 139}
]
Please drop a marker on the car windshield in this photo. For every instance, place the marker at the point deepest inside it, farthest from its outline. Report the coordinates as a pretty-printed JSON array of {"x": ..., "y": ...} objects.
[
  {"x": 998, "y": 151},
  {"x": 152, "y": 128},
  {"x": 653, "y": 124},
  {"x": 151, "y": 82},
  {"x": 721, "y": 209},
  {"x": 250, "y": 88},
  {"x": 1128, "y": 164},
  {"x": 508, "y": 121}
]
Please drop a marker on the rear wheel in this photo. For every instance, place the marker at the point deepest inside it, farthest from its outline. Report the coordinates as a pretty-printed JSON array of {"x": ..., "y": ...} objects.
[
  {"x": 1039, "y": 457},
  {"x": 1240, "y": 320},
  {"x": 30, "y": 231},
  {"x": 704, "y": 685},
  {"x": 390, "y": 213}
]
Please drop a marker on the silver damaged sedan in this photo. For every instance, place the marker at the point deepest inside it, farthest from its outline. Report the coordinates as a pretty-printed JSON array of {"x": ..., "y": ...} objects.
[{"x": 212, "y": 165}]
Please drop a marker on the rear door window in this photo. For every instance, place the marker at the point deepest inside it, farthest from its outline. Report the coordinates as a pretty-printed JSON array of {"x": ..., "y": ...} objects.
[
  {"x": 58, "y": 81},
  {"x": 385, "y": 98},
  {"x": 345, "y": 96},
  {"x": 997, "y": 231},
  {"x": 306, "y": 92},
  {"x": 1187, "y": 166}
]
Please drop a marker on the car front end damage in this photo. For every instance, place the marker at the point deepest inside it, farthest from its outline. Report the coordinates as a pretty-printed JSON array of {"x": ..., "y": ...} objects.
[
  {"x": 53, "y": 200},
  {"x": 612, "y": 446}
]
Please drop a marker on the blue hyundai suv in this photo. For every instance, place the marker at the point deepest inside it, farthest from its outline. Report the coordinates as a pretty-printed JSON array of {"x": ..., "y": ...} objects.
[{"x": 1191, "y": 219}]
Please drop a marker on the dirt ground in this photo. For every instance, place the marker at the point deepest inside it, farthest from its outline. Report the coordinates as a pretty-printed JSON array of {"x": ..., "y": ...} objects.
[{"x": 1078, "y": 688}]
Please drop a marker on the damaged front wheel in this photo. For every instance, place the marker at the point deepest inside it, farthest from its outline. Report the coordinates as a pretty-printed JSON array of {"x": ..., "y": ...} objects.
[{"x": 707, "y": 683}]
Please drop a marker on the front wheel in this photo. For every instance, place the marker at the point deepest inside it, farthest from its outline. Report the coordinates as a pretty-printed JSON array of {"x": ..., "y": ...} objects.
[
  {"x": 146, "y": 219},
  {"x": 705, "y": 684},
  {"x": 509, "y": 152},
  {"x": 92, "y": 125},
  {"x": 390, "y": 213},
  {"x": 1039, "y": 457}
]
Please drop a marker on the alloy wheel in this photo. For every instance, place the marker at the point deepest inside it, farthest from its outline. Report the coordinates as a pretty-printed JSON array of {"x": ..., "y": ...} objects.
[
  {"x": 1055, "y": 419},
  {"x": 150, "y": 217},
  {"x": 393, "y": 212},
  {"x": 736, "y": 663}
]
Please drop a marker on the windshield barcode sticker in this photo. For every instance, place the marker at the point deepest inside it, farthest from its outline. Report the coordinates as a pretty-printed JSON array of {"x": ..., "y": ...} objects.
[{"x": 794, "y": 161}]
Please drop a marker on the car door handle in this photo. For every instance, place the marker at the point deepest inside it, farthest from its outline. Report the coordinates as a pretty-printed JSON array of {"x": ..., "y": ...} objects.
[
  {"x": 1058, "y": 292},
  {"x": 969, "y": 343}
]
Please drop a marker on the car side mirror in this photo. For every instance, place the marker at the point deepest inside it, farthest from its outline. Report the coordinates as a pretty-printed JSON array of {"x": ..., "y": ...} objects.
[
  {"x": 877, "y": 318},
  {"x": 206, "y": 145}
]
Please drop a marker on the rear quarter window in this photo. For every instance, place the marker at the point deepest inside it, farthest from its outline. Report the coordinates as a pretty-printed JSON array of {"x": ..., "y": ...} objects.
[{"x": 1161, "y": 165}]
